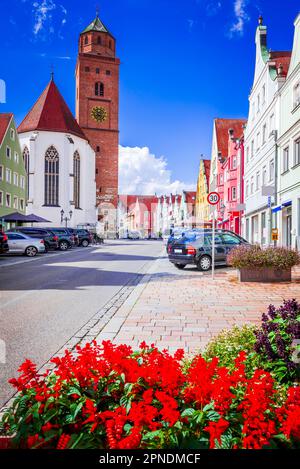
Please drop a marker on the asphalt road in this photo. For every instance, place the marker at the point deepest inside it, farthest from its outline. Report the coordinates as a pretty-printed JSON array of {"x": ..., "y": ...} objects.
[{"x": 45, "y": 301}]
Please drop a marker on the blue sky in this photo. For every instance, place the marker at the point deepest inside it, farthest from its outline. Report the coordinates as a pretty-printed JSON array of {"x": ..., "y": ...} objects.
[{"x": 183, "y": 63}]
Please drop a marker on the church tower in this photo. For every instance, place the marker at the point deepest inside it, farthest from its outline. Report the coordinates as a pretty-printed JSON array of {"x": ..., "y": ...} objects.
[{"x": 97, "y": 113}]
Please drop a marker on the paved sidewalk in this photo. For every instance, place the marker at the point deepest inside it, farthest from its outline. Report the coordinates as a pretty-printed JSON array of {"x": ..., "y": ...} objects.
[{"x": 185, "y": 309}]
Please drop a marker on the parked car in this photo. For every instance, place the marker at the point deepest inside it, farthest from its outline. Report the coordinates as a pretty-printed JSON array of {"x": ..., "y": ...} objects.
[
  {"x": 19, "y": 243},
  {"x": 3, "y": 243},
  {"x": 83, "y": 237},
  {"x": 50, "y": 239},
  {"x": 195, "y": 248},
  {"x": 134, "y": 235},
  {"x": 66, "y": 239}
]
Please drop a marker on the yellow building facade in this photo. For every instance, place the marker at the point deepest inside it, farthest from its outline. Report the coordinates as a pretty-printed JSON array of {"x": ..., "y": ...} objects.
[{"x": 202, "y": 206}]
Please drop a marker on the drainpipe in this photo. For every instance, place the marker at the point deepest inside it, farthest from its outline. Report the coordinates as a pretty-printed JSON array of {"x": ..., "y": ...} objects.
[{"x": 275, "y": 135}]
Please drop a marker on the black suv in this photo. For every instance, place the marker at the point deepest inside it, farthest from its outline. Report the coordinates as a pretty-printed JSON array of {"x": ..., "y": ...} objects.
[
  {"x": 66, "y": 239},
  {"x": 196, "y": 248},
  {"x": 50, "y": 239},
  {"x": 3, "y": 243},
  {"x": 84, "y": 236}
]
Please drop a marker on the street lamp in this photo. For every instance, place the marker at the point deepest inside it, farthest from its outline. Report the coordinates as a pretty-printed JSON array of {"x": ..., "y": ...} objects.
[{"x": 65, "y": 219}]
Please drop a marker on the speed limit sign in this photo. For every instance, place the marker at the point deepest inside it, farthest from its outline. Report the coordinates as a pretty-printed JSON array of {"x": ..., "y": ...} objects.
[{"x": 213, "y": 198}]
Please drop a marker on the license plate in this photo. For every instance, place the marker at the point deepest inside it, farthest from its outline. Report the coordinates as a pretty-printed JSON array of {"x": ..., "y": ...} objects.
[{"x": 178, "y": 251}]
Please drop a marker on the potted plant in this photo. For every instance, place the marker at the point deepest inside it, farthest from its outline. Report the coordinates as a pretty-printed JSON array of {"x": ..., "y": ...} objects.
[{"x": 256, "y": 264}]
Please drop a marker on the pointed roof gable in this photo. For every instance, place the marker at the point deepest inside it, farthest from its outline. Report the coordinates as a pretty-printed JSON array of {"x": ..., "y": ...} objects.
[
  {"x": 96, "y": 25},
  {"x": 5, "y": 119},
  {"x": 51, "y": 113},
  {"x": 222, "y": 127}
]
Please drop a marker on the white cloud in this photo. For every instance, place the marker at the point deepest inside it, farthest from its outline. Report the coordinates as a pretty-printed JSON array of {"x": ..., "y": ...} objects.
[
  {"x": 143, "y": 173},
  {"x": 241, "y": 17},
  {"x": 48, "y": 17}
]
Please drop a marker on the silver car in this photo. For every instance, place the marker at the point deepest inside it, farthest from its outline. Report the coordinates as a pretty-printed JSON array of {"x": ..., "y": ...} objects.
[{"x": 20, "y": 243}]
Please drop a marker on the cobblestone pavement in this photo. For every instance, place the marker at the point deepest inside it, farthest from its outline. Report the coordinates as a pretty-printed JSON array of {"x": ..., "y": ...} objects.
[{"x": 185, "y": 309}]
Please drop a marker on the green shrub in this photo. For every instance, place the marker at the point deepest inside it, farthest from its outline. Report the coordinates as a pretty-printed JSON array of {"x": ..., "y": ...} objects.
[{"x": 229, "y": 343}]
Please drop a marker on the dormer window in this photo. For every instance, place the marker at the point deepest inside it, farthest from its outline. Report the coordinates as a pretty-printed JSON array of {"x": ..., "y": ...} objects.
[
  {"x": 86, "y": 40},
  {"x": 99, "y": 40}
]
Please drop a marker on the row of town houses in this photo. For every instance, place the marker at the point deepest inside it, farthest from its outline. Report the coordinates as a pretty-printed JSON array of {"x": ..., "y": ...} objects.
[{"x": 254, "y": 163}]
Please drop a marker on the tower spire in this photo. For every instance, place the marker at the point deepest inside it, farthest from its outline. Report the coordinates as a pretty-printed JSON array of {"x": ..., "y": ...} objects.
[{"x": 52, "y": 73}]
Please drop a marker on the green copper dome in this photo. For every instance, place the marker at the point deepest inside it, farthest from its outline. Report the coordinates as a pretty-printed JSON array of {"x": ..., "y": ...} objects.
[{"x": 96, "y": 25}]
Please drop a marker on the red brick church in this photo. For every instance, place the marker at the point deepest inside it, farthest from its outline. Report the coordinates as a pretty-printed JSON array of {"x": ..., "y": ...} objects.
[{"x": 82, "y": 151}]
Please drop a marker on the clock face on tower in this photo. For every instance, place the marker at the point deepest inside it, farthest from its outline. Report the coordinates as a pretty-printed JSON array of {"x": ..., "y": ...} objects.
[{"x": 99, "y": 114}]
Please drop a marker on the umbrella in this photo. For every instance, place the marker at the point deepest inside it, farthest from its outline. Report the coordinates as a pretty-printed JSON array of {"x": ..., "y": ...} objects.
[
  {"x": 35, "y": 219},
  {"x": 14, "y": 217}
]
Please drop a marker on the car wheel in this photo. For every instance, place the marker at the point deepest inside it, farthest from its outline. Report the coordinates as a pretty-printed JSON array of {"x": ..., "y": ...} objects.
[
  {"x": 204, "y": 263},
  {"x": 63, "y": 246},
  {"x": 31, "y": 251},
  {"x": 180, "y": 266},
  {"x": 85, "y": 243}
]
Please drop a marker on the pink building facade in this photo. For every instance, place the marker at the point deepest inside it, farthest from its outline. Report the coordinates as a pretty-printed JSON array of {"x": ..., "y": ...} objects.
[{"x": 233, "y": 170}]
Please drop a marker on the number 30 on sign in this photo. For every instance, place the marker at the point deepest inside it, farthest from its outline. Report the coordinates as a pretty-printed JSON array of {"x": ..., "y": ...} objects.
[{"x": 213, "y": 198}]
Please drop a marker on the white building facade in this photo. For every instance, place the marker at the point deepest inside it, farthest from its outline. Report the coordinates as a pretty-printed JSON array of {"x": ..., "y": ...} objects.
[
  {"x": 60, "y": 164},
  {"x": 288, "y": 207},
  {"x": 261, "y": 133}
]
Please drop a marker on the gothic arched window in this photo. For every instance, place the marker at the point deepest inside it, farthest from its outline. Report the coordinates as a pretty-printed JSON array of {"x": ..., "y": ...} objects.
[
  {"x": 76, "y": 171},
  {"x": 26, "y": 164},
  {"x": 51, "y": 177},
  {"x": 99, "y": 89}
]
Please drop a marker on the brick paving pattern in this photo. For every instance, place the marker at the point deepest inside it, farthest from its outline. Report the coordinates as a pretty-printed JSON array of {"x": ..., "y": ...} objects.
[{"x": 186, "y": 309}]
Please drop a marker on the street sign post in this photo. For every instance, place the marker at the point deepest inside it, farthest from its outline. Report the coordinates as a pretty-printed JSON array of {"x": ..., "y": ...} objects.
[{"x": 213, "y": 199}]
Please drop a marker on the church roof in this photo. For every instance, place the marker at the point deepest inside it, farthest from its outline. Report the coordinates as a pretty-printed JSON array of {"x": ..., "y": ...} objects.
[
  {"x": 96, "y": 25},
  {"x": 5, "y": 119},
  {"x": 51, "y": 113}
]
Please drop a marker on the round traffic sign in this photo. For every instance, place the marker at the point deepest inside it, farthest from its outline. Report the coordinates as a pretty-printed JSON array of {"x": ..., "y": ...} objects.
[{"x": 213, "y": 198}]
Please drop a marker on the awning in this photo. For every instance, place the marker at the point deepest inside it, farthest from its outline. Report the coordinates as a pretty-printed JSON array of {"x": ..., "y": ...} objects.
[
  {"x": 35, "y": 219},
  {"x": 276, "y": 209},
  {"x": 20, "y": 217},
  {"x": 14, "y": 217},
  {"x": 287, "y": 204}
]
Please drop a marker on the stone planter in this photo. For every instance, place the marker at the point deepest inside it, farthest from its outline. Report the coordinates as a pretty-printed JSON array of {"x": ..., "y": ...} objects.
[{"x": 265, "y": 275}]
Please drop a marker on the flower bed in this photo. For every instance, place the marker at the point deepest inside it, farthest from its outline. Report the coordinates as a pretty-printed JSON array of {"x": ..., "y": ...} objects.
[
  {"x": 256, "y": 264},
  {"x": 112, "y": 397}
]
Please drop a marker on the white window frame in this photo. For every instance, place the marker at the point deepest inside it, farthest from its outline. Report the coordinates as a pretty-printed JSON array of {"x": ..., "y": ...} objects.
[
  {"x": 16, "y": 157},
  {"x": 8, "y": 172},
  {"x": 257, "y": 182},
  {"x": 285, "y": 159},
  {"x": 264, "y": 176},
  {"x": 264, "y": 133},
  {"x": 263, "y": 94},
  {"x": 1, "y": 172},
  {"x": 6, "y": 204},
  {"x": 252, "y": 185},
  {"x": 15, "y": 202},
  {"x": 22, "y": 182},
  {"x": 296, "y": 94},
  {"x": 252, "y": 149},
  {"x": 8, "y": 152},
  {"x": 1, "y": 198},
  {"x": 16, "y": 179},
  {"x": 22, "y": 204},
  {"x": 297, "y": 153},
  {"x": 12, "y": 134}
]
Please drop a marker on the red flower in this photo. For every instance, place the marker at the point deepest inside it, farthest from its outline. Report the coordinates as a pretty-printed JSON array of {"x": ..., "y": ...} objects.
[{"x": 216, "y": 430}]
